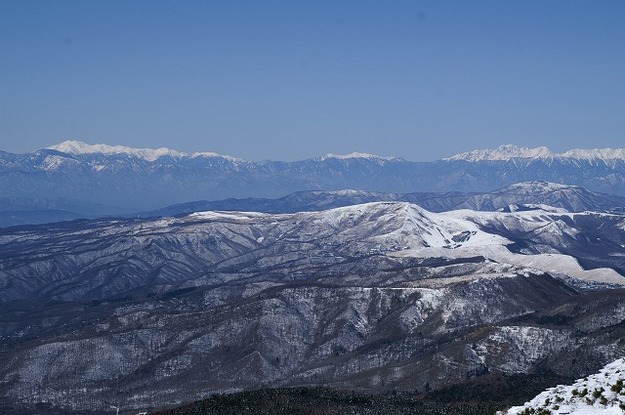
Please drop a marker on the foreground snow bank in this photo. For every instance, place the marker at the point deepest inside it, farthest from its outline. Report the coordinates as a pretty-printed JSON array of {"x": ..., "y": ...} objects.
[{"x": 602, "y": 394}]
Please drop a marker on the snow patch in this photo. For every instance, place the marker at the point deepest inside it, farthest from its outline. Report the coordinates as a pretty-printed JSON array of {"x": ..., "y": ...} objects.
[{"x": 55, "y": 162}]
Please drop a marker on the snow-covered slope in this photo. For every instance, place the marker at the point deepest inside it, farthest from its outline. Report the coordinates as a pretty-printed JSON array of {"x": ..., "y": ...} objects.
[
  {"x": 550, "y": 239},
  {"x": 599, "y": 394},
  {"x": 375, "y": 297},
  {"x": 348, "y": 238}
]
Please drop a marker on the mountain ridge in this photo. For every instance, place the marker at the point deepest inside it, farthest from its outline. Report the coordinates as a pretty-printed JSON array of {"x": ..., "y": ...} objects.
[
  {"x": 149, "y": 154},
  {"x": 376, "y": 297},
  {"x": 146, "y": 179},
  {"x": 503, "y": 152},
  {"x": 23, "y": 211},
  {"x": 509, "y": 151},
  {"x": 571, "y": 198}
]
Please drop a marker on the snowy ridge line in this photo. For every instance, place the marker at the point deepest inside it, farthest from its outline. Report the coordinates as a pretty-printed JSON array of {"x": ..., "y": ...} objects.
[
  {"x": 454, "y": 234},
  {"x": 357, "y": 155},
  {"x": 149, "y": 154},
  {"x": 601, "y": 394},
  {"x": 501, "y": 153},
  {"x": 510, "y": 151}
]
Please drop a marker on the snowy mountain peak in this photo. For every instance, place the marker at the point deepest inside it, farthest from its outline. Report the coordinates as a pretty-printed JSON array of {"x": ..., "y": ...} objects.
[
  {"x": 399, "y": 224},
  {"x": 79, "y": 147},
  {"x": 149, "y": 154},
  {"x": 357, "y": 155},
  {"x": 503, "y": 152},
  {"x": 210, "y": 154},
  {"x": 510, "y": 151}
]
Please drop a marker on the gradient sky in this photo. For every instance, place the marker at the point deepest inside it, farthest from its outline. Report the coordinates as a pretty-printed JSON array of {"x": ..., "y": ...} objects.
[{"x": 289, "y": 80}]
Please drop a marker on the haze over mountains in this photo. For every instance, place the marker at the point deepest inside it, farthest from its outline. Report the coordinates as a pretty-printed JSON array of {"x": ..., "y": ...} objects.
[{"x": 73, "y": 179}]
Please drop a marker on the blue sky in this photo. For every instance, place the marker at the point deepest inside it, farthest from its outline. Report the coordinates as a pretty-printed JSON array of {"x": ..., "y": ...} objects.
[{"x": 288, "y": 80}]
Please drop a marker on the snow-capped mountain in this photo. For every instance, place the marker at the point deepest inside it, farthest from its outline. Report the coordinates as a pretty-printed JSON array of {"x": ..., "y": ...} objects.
[
  {"x": 504, "y": 152},
  {"x": 508, "y": 152},
  {"x": 148, "y": 154},
  {"x": 602, "y": 393},
  {"x": 375, "y": 297},
  {"x": 129, "y": 179},
  {"x": 79, "y": 147},
  {"x": 357, "y": 155}
]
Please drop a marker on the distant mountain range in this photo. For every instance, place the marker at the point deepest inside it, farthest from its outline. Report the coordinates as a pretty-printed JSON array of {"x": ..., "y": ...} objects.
[
  {"x": 111, "y": 180},
  {"x": 516, "y": 196},
  {"x": 511, "y": 152}
]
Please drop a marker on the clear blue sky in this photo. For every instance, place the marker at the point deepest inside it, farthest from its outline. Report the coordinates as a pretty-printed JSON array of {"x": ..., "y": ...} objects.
[{"x": 288, "y": 80}]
